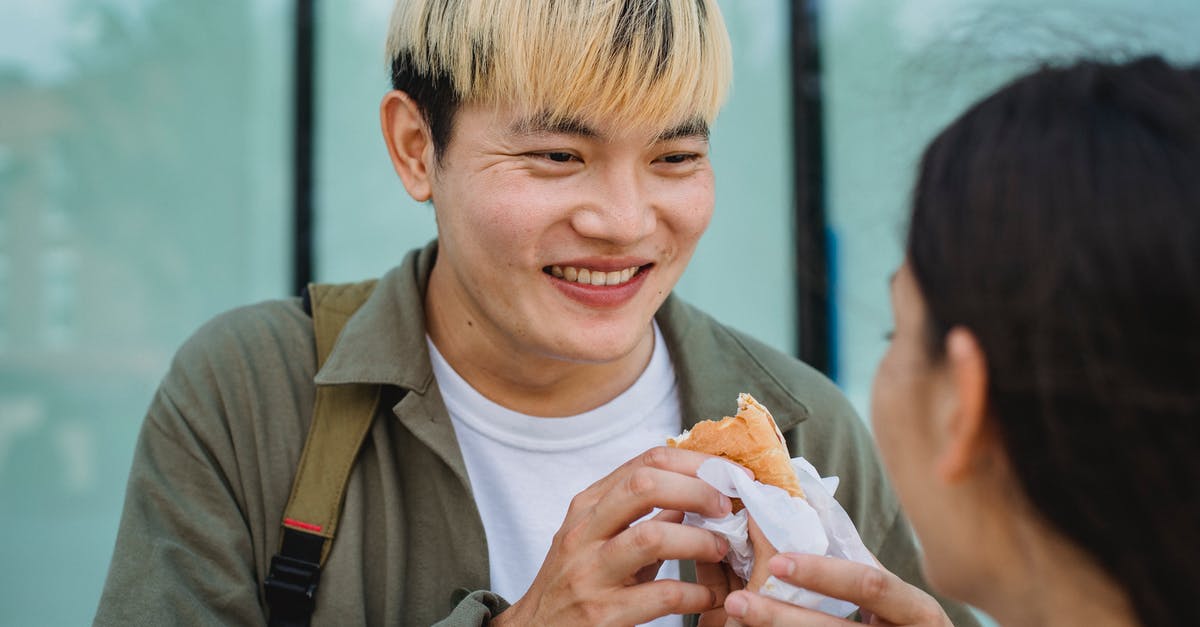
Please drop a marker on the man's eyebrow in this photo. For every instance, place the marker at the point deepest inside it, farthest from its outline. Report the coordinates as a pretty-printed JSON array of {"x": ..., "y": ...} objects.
[
  {"x": 545, "y": 124},
  {"x": 695, "y": 128}
]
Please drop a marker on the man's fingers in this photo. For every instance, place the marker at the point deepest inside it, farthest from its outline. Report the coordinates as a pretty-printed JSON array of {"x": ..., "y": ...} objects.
[
  {"x": 667, "y": 458},
  {"x": 763, "y": 551},
  {"x": 754, "y": 610},
  {"x": 631, "y": 476},
  {"x": 644, "y": 603},
  {"x": 648, "y": 572},
  {"x": 669, "y": 515},
  {"x": 644, "y": 488},
  {"x": 874, "y": 589},
  {"x": 653, "y": 541},
  {"x": 713, "y": 618},
  {"x": 678, "y": 460},
  {"x": 719, "y": 578}
]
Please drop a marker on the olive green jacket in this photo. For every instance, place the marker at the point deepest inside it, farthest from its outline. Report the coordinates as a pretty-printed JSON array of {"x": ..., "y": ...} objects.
[{"x": 221, "y": 441}]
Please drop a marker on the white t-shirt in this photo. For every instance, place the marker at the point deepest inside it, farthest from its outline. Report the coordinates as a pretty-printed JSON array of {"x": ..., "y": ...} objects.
[{"x": 525, "y": 470}]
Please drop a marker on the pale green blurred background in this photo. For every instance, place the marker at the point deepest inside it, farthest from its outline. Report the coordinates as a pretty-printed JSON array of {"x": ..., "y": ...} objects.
[{"x": 145, "y": 177}]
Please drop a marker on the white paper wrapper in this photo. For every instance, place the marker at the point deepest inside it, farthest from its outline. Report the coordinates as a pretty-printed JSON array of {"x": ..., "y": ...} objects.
[{"x": 819, "y": 526}]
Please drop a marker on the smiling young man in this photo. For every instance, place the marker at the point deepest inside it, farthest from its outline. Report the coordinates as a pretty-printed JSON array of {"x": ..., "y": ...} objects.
[
  {"x": 557, "y": 243},
  {"x": 531, "y": 360}
]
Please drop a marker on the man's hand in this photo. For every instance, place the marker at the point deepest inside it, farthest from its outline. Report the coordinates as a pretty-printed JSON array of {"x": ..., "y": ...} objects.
[
  {"x": 763, "y": 552},
  {"x": 721, "y": 579},
  {"x": 600, "y": 570},
  {"x": 884, "y": 598}
]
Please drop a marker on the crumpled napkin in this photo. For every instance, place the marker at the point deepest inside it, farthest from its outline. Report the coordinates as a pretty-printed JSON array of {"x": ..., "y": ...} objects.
[{"x": 793, "y": 525}]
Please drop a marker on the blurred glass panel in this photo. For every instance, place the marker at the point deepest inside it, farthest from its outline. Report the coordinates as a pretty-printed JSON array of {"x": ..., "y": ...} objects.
[
  {"x": 742, "y": 272},
  {"x": 896, "y": 72},
  {"x": 143, "y": 188},
  {"x": 366, "y": 221}
]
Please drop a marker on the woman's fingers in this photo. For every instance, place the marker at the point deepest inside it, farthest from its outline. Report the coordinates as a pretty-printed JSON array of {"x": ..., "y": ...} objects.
[
  {"x": 873, "y": 589},
  {"x": 755, "y": 610}
]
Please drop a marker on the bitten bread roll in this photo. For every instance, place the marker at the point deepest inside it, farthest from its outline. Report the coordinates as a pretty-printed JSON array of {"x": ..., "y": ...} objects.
[{"x": 752, "y": 439}]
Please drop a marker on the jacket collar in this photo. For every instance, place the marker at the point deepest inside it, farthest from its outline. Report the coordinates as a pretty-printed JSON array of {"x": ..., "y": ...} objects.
[
  {"x": 714, "y": 364},
  {"x": 384, "y": 343}
]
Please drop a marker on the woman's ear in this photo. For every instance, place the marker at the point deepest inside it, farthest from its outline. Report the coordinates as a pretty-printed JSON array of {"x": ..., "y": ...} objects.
[
  {"x": 965, "y": 436},
  {"x": 409, "y": 143}
]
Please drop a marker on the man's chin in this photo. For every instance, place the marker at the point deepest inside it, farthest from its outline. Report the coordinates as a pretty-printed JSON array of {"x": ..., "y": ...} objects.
[
  {"x": 601, "y": 349},
  {"x": 593, "y": 357}
]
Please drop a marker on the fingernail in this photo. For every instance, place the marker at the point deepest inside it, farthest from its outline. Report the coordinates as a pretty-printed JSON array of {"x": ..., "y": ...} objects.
[
  {"x": 735, "y": 604},
  {"x": 781, "y": 566}
]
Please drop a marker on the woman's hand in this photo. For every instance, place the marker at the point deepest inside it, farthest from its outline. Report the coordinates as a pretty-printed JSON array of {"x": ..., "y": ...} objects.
[{"x": 884, "y": 598}]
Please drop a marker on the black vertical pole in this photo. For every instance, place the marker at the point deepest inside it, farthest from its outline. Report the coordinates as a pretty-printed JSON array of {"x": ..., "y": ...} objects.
[
  {"x": 302, "y": 148},
  {"x": 812, "y": 247}
]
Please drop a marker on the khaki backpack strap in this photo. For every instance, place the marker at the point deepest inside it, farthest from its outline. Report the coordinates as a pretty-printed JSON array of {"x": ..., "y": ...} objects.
[{"x": 342, "y": 416}]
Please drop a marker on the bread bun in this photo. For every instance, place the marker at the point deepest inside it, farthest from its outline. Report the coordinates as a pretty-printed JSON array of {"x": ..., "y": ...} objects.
[{"x": 750, "y": 438}]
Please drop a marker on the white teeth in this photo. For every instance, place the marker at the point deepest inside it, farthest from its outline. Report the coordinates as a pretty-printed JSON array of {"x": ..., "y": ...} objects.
[{"x": 586, "y": 276}]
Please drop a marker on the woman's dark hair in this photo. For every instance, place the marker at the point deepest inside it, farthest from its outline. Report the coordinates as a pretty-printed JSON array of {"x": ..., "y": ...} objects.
[{"x": 1059, "y": 221}]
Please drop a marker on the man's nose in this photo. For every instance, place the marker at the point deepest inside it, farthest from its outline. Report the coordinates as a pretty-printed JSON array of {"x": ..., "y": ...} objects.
[{"x": 620, "y": 211}]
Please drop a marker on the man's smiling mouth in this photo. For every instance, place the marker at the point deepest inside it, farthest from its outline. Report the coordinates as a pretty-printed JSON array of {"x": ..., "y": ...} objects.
[{"x": 585, "y": 276}]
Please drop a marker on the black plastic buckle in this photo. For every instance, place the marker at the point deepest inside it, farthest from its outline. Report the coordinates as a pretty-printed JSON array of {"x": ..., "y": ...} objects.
[{"x": 291, "y": 586}]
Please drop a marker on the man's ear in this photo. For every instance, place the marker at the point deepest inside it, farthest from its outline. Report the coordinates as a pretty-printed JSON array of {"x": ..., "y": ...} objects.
[
  {"x": 965, "y": 437},
  {"x": 409, "y": 143}
]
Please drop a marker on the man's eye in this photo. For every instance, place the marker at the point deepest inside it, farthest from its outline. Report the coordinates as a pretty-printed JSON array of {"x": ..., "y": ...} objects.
[
  {"x": 680, "y": 157},
  {"x": 560, "y": 157}
]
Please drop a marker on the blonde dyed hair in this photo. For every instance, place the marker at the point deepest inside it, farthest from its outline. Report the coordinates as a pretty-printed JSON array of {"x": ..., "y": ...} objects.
[{"x": 653, "y": 62}]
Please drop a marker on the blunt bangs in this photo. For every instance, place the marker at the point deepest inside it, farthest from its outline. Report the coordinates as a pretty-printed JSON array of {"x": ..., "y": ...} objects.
[{"x": 637, "y": 62}]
